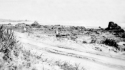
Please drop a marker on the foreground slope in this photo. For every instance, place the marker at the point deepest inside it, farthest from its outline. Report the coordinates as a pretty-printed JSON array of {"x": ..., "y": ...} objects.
[{"x": 72, "y": 52}]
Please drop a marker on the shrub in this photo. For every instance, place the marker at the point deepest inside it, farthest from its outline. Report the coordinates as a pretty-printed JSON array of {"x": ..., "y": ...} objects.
[
  {"x": 84, "y": 42},
  {"x": 123, "y": 35},
  {"x": 93, "y": 39},
  {"x": 7, "y": 42},
  {"x": 110, "y": 42}
]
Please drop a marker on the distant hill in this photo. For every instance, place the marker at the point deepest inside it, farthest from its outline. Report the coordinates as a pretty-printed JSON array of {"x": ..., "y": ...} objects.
[{"x": 9, "y": 20}]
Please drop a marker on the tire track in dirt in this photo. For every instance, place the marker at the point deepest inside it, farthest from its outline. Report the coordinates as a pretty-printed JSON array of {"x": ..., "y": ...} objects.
[
  {"x": 84, "y": 57},
  {"x": 58, "y": 52},
  {"x": 51, "y": 50}
]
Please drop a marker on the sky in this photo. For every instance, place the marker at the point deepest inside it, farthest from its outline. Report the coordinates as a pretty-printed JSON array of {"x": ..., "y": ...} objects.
[{"x": 65, "y": 12}]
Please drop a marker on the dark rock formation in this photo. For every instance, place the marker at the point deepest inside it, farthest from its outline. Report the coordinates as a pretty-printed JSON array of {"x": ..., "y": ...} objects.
[{"x": 116, "y": 29}]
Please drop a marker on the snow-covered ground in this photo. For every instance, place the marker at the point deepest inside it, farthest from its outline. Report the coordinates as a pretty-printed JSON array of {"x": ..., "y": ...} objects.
[{"x": 72, "y": 52}]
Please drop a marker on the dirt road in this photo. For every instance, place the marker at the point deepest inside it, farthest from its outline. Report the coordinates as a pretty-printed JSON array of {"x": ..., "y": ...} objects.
[{"x": 60, "y": 52}]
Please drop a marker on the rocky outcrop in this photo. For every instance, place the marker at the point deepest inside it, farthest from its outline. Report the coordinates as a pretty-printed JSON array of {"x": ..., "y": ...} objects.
[
  {"x": 116, "y": 29},
  {"x": 36, "y": 24}
]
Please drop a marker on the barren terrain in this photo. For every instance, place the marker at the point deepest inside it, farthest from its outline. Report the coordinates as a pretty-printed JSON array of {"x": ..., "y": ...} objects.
[
  {"x": 73, "y": 52},
  {"x": 56, "y": 47}
]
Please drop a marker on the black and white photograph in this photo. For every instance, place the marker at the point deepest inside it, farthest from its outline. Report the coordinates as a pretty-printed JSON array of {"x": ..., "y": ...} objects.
[{"x": 62, "y": 34}]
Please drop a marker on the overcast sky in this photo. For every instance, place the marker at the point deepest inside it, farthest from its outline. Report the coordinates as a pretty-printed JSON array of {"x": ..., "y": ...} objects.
[{"x": 70, "y": 12}]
